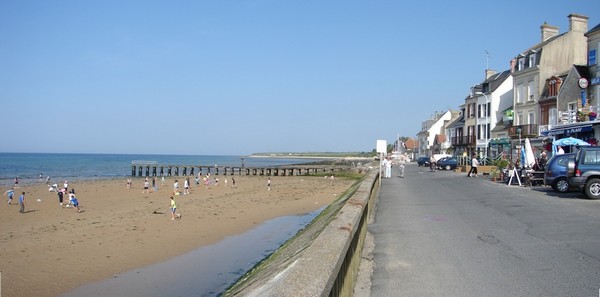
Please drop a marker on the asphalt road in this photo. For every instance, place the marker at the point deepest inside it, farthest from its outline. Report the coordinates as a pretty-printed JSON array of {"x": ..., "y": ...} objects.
[{"x": 444, "y": 234}]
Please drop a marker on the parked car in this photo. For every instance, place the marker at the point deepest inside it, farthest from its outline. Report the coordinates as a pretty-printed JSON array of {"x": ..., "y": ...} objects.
[
  {"x": 555, "y": 173},
  {"x": 583, "y": 171},
  {"x": 423, "y": 161},
  {"x": 448, "y": 163}
]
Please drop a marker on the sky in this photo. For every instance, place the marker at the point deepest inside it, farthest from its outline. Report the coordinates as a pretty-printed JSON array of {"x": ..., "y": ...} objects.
[{"x": 242, "y": 77}]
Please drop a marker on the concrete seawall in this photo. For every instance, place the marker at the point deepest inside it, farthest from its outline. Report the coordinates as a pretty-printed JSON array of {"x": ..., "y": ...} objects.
[{"x": 323, "y": 259}]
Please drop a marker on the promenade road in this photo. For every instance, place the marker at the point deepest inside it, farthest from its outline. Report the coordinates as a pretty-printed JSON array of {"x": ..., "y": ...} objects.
[{"x": 444, "y": 234}]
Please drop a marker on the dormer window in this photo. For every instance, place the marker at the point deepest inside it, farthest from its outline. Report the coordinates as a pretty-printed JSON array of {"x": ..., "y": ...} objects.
[
  {"x": 521, "y": 64},
  {"x": 553, "y": 87},
  {"x": 532, "y": 59}
]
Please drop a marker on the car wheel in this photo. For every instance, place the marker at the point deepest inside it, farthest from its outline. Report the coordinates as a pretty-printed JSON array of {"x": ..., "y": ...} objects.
[
  {"x": 448, "y": 167},
  {"x": 592, "y": 188},
  {"x": 561, "y": 185}
]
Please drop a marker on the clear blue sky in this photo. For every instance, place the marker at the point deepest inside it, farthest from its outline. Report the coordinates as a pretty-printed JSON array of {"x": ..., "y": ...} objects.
[{"x": 238, "y": 77}]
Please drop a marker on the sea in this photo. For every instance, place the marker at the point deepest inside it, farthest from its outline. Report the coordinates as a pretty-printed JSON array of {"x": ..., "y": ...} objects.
[{"x": 28, "y": 167}]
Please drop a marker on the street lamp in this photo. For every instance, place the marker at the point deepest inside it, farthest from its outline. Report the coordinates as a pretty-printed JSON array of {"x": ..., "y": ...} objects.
[
  {"x": 520, "y": 148},
  {"x": 487, "y": 118}
]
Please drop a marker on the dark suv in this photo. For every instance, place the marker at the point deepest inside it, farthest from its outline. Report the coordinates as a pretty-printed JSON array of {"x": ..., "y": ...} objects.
[
  {"x": 555, "y": 173},
  {"x": 584, "y": 171},
  {"x": 423, "y": 161}
]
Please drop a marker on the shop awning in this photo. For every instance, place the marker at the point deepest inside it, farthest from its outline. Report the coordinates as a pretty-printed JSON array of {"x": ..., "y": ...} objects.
[
  {"x": 498, "y": 141},
  {"x": 568, "y": 130}
]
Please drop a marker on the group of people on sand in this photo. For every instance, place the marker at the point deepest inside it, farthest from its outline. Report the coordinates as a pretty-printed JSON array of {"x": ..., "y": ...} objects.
[{"x": 73, "y": 202}]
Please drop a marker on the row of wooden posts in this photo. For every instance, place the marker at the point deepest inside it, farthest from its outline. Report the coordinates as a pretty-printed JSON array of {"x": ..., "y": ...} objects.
[{"x": 191, "y": 170}]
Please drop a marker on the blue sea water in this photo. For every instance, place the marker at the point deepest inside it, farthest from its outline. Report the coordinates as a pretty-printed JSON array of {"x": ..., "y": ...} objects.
[{"x": 60, "y": 167}]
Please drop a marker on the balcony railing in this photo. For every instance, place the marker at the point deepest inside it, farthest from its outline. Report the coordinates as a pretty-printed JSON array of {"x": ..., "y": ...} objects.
[
  {"x": 463, "y": 140},
  {"x": 529, "y": 130}
]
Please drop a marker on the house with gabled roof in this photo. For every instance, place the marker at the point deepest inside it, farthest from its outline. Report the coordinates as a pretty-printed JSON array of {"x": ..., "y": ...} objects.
[
  {"x": 493, "y": 94},
  {"x": 553, "y": 55},
  {"x": 593, "y": 49},
  {"x": 430, "y": 129}
]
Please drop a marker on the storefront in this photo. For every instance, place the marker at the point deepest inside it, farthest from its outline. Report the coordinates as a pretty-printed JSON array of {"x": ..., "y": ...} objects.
[
  {"x": 583, "y": 131},
  {"x": 499, "y": 146}
]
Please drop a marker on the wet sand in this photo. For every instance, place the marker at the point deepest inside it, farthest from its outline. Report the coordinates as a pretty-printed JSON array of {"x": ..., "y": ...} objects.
[{"x": 50, "y": 249}]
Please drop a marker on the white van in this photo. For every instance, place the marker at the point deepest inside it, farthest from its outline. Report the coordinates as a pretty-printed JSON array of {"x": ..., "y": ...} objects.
[{"x": 437, "y": 157}]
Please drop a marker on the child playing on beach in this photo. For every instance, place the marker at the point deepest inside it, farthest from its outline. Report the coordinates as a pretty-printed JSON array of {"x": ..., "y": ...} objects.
[
  {"x": 146, "y": 186},
  {"x": 22, "y": 203},
  {"x": 186, "y": 186},
  {"x": 175, "y": 187},
  {"x": 174, "y": 213},
  {"x": 73, "y": 201},
  {"x": 60, "y": 196},
  {"x": 10, "y": 193}
]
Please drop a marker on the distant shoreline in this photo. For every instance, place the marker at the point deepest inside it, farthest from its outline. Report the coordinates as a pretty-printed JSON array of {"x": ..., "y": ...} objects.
[{"x": 310, "y": 157}]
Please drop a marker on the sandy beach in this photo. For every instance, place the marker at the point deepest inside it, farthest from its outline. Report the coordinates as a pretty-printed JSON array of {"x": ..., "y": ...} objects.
[{"x": 50, "y": 249}]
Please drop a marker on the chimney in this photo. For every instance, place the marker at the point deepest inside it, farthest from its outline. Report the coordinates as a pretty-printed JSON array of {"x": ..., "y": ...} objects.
[
  {"x": 548, "y": 31},
  {"x": 489, "y": 73},
  {"x": 578, "y": 23}
]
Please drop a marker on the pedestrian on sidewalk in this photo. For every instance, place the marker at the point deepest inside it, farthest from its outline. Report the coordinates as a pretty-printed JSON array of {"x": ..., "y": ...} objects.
[
  {"x": 402, "y": 164},
  {"x": 474, "y": 165}
]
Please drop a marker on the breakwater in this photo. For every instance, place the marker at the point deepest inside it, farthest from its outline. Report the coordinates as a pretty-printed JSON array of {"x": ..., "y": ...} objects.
[{"x": 152, "y": 168}]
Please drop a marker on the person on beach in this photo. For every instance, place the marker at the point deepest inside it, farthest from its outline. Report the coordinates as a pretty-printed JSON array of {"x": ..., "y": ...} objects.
[
  {"x": 162, "y": 180},
  {"x": 60, "y": 197},
  {"x": 269, "y": 184},
  {"x": 66, "y": 186},
  {"x": 129, "y": 183},
  {"x": 186, "y": 186},
  {"x": 22, "y": 203},
  {"x": 16, "y": 182},
  {"x": 173, "y": 207},
  {"x": 233, "y": 183},
  {"x": 175, "y": 187},
  {"x": 10, "y": 193},
  {"x": 146, "y": 187},
  {"x": 48, "y": 179},
  {"x": 73, "y": 201},
  {"x": 154, "y": 184}
]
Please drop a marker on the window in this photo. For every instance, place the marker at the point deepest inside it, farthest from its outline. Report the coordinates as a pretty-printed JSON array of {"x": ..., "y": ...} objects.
[
  {"x": 521, "y": 64},
  {"x": 530, "y": 91},
  {"x": 531, "y": 118},
  {"x": 489, "y": 106},
  {"x": 591, "y": 157},
  {"x": 553, "y": 86},
  {"x": 532, "y": 58},
  {"x": 520, "y": 93},
  {"x": 553, "y": 116},
  {"x": 520, "y": 120}
]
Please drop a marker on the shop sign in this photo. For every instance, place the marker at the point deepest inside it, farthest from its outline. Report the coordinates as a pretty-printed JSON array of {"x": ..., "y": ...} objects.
[{"x": 569, "y": 131}]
